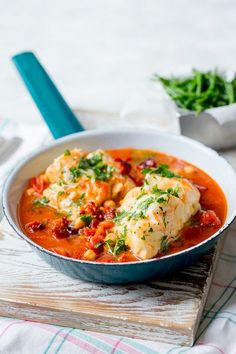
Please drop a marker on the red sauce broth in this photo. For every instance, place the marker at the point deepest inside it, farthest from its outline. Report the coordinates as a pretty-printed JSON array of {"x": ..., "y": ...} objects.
[{"x": 212, "y": 198}]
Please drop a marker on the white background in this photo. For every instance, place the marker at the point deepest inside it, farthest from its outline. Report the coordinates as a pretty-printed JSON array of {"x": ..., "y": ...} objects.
[{"x": 101, "y": 51}]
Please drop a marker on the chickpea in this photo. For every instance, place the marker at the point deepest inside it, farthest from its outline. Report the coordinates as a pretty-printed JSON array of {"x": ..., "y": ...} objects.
[
  {"x": 78, "y": 224},
  {"x": 189, "y": 169},
  {"x": 90, "y": 255},
  {"x": 30, "y": 191},
  {"x": 109, "y": 203},
  {"x": 116, "y": 189},
  {"x": 177, "y": 171}
]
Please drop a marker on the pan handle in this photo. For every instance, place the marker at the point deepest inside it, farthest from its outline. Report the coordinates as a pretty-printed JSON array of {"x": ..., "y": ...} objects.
[{"x": 55, "y": 111}]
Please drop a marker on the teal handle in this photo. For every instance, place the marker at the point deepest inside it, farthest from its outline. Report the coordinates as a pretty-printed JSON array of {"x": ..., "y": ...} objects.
[{"x": 57, "y": 114}]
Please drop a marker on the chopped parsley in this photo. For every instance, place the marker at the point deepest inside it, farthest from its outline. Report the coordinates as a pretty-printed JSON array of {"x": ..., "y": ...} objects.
[
  {"x": 67, "y": 152},
  {"x": 170, "y": 191},
  {"x": 120, "y": 215},
  {"x": 103, "y": 172},
  {"x": 98, "y": 244},
  {"x": 92, "y": 167},
  {"x": 61, "y": 182},
  {"x": 60, "y": 193},
  {"x": 84, "y": 163},
  {"x": 86, "y": 219},
  {"x": 174, "y": 191},
  {"x": 162, "y": 170},
  {"x": 110, "y": 245},
  {"x": 75, "y": 173},
  {"x": 165, "y": 222},
  {"x": 79, "y": 201},
  {"x": 141, "y": 195},
  {"x": 139, "y": 209},
  {"x": 164, "y": 244},
  {"x": 95, "y": 159},
  {"x": 41, "y": 202},
  {"x": 118, "y": 246}
]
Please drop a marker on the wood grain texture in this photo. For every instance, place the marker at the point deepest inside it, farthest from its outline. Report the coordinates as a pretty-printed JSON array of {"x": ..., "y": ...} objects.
[{"x": 167, "y": 310}]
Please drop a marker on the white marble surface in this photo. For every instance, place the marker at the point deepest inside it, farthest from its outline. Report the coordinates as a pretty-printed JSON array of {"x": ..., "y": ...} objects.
[{"x": 101, "y": 52}]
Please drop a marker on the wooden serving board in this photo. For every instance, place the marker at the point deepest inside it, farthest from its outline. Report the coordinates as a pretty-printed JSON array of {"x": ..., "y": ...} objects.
[{"x": 167, "y": 310}]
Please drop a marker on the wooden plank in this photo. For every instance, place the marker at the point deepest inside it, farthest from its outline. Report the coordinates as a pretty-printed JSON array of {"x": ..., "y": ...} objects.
[{"x": 166, "y": 311}]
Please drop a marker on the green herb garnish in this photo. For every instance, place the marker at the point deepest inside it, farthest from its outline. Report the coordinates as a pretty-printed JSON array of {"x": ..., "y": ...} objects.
[
  {"x": 92, "y": 167},
  {"x": 200, "y": 91},
  {"x": 169, "y": 191},
  {"x": 75, "y": 173},
  {"x": 41, "y": 202},
  {"x": 67, "y": 152},
  {"x": 61, "y": 182},
  {"x": 139, "y": 209},
  {"x": 79, "y": 201},
  {"x": 162, "y": 170},
  {"x": 119, "y": 216},
  {"x": 165, "y": 222},
  {"x": 84, "y": 163},
  {"x": 98, "y": 244},
  {"x": 110, "y": 245},
  {"x": 173, "y": 191},
  {"x": 164, "y": 245},
  {"x": 60, "y": 193},
  {"x": 86, "y": 219},
  {"x": 120, "y": 245}
]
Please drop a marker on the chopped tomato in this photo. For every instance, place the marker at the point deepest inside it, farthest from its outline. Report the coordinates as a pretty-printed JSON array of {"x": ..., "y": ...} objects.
[
  {"x": 148, "y": 163},
  {"x": 123, "y": 165},
  {"x": 209, "y": 218},
  {"x": 96, "y": 243},
  {"x": 87, "y": 231},
  {"x": 94, "y": 223},
  {"x": 35, "y": 226},
  {"x": 123, "y": 258},
  {"x": 89, "y": 208},
  {"x": 60, "y": 228},
  {"x": 200, "y": 188},
  {"x": 101, "y": 231},
  {"x": 136, "y": 175},
  {"x": 38, "y": 184},
  {"x": 109, "y": 213},
  {"x": 106, "y": 224}
]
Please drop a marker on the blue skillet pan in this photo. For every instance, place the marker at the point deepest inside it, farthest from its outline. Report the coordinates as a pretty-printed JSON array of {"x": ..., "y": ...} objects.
[{"x": 69, "y": 133}]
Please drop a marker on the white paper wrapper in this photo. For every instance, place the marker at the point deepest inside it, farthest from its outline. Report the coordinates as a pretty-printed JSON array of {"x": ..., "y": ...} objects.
[
  {"x": 223, "y": 114},
  {"x": 151, "y": 107}
]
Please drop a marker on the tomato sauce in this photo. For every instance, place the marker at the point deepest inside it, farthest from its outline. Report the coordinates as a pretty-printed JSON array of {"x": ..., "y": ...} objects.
[{"x": 50, "y": 229}]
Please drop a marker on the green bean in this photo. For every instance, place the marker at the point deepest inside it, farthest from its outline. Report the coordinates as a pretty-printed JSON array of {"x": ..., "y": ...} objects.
[{"x": 200, "y": 91}]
